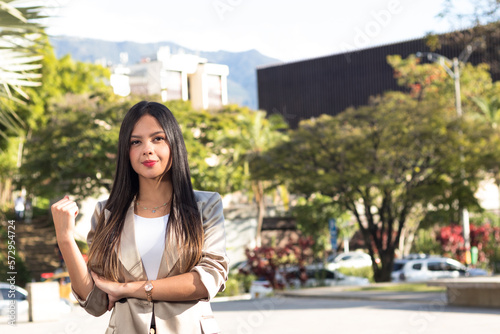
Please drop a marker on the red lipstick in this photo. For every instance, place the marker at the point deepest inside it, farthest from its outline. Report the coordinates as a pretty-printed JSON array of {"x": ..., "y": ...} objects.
[{"x": 149, "y": 163}]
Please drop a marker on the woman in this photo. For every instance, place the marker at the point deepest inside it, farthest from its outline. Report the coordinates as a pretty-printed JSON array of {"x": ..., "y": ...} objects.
[{"x": 157, "y": 248}]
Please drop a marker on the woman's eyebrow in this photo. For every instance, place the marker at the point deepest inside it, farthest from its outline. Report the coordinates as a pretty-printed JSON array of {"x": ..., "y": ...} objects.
[{"x": 151, "y": 135}]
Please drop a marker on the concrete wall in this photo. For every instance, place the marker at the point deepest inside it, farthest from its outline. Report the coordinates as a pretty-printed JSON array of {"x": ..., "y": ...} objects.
[
  {"x": 240, "y": 234},
  {"x": 43, "y": 301}
]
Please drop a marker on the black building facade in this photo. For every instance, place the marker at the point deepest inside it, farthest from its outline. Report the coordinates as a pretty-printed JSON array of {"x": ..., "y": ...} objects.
[{"x": 331, "y": 84}]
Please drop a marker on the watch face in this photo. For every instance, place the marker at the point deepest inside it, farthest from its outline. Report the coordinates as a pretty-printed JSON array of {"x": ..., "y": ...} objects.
[{"x": 148, "y": 287}]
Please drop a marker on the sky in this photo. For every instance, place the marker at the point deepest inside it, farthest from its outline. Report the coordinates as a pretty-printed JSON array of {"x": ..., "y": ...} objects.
[{"x": 287, "y": 30}]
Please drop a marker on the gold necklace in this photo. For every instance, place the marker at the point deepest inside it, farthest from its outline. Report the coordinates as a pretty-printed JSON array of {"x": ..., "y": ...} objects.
[{"x": 153, "y": 210}]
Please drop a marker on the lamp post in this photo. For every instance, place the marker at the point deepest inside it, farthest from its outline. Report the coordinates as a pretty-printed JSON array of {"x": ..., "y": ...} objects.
[{"x": 452, "y": 67}]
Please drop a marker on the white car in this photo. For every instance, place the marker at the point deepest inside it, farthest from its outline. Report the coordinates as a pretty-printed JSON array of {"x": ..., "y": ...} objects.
[
  {"x": 349, "y": 260},
  {"x": 260, "y": 288},
  {"x": 20, "y": 295},
  {"x": 317, "y": 276},
  {"x": 7, "y": 295},
  {"x": 427, "y": 269}
]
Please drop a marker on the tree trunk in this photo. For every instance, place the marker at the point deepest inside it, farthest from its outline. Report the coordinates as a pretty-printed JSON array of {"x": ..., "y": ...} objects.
[
  {"x": 5, "y": 190},
  {"x": 258, "y": 190},
  {"x": 383, "y": 273}
]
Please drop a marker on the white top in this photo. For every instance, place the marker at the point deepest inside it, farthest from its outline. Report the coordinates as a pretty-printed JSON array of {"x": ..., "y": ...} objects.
[
  {"x": 150, "y": 241},
  {"x": 19, "y": 204}
]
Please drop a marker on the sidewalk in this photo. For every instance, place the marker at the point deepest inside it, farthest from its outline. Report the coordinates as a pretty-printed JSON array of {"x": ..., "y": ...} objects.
[{"x": 336, "y": 292}]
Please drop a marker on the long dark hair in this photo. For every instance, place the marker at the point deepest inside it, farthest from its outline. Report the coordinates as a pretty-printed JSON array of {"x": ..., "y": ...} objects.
[{"x": 184, "y": 221}]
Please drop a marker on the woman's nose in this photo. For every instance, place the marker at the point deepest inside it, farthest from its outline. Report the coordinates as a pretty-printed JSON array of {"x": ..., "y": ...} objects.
[{"x": 147, "y": 149}]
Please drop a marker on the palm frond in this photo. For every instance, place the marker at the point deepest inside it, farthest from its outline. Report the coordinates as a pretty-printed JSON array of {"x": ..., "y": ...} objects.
[
  {"x": 12, "y": 11},
  {"x": 19, "y": 62}
]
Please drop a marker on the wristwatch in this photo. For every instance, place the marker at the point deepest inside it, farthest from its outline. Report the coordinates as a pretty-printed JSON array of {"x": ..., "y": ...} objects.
[{"x": 149, "y": 290}]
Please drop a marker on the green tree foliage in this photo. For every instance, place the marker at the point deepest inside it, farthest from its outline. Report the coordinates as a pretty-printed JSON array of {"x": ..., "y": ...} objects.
[
  {"x": 431, "y": 82},
  {"x": 75, "y": 152},
  {"x": 60, "y": 77},
  {"x": 312, "y": 215},
  {"x": 426, "y": 242},
  {"x": 244, "y": 139},
  {"x": 78, "y": 144},
  {"x": 210, "y": 154},
  {"x": 69, "y": 90},
  {"x": 258, "y": 134},
  {"x": 381, "y": 161}
]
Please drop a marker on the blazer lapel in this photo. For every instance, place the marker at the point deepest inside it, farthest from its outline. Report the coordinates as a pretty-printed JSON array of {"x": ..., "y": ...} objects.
[
  {"x": 171, "y": 254},
  {"x": 129, "y": 254}
]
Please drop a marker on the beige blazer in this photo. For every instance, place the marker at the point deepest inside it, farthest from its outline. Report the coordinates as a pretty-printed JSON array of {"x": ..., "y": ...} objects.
[{"x": 134, "y": 315}]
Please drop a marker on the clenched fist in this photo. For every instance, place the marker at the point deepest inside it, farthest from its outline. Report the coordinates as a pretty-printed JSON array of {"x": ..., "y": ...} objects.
[{"x": 64, "y": 213}]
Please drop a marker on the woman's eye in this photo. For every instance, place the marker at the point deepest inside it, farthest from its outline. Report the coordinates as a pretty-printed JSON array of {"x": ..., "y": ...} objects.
[
  {"x": 134, "y": 142},
  {"x": 159, "y": 139}
]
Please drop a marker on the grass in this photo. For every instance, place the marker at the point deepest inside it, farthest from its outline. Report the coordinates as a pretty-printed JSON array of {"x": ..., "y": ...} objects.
[{"x": 407, "y": 287}]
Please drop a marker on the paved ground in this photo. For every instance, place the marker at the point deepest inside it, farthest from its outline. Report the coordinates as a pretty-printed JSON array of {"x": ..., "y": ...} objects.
[
  {"x": 316, "y": 311},
  {"x": 338, "y": 316},
  {"x": 342, "y": 293}
]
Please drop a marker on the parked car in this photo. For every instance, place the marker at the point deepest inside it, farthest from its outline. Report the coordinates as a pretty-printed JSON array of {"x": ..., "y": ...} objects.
[
  {"x": 19, "y": 295},
  {"x": 260, "y": 288},
  {"x": 318, "y": 276},
  {"x": 22, "y": 305},
  {"x": 240, "y": 266},
  {"x": 476, "y": 272},
  {"x": 427, "y": 269},
  {"x": 349, "y": 260}
]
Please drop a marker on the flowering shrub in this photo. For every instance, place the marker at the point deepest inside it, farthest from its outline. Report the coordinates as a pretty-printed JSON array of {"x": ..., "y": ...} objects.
[
  {"x": 269, "y": 262},
  {"x": 485, "y": 237}
]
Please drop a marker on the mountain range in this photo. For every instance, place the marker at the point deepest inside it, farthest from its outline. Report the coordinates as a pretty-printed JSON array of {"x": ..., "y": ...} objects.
[{"x": 242, "y": 79}]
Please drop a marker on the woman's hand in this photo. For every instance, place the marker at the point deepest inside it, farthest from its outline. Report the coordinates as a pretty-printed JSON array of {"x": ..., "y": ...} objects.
[
  {"x": 64, "y": 213},
  {"x": 113, "y": 289}
]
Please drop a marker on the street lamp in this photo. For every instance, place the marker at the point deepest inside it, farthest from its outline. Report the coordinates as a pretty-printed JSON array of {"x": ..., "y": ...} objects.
[{"x": 452, "y": 67}]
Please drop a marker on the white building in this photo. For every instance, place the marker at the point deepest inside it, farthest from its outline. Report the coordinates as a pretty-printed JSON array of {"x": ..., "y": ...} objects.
[{"x": 175, "y": 77}]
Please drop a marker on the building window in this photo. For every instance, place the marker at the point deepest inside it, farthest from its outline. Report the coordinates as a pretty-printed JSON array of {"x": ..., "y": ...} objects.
[{"x": 214, "y": 85}]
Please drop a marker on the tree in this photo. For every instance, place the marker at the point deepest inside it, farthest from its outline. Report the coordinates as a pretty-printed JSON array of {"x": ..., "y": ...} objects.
[
  {"x": 246, "y": 143},
  {"x": 59, "y": 78},
  {"x": 312, "y": 215},
  {"x": 489, "y": 109},
  {"x": 77, "y": 148},
  {"x": 477, "y": 24},
  {"x": 432, "y": 83},
  {"x": 211, "y": 155},
  {"x": 384, "y": 160}
]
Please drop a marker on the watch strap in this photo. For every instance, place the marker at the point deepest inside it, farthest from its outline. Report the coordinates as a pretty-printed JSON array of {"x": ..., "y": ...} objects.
[{"x": 148, "y": 287}]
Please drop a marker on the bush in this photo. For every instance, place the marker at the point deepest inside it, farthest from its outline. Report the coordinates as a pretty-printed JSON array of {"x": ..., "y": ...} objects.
[
  {"x": 267, "y": 261},
  {"x": 426, "y": 242},
  {"x": 237, "y": 284},
  {"x": 366, "y": 272},
  {"x": 246, "y": 281},
  {"x": 232, "y": 287}
]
